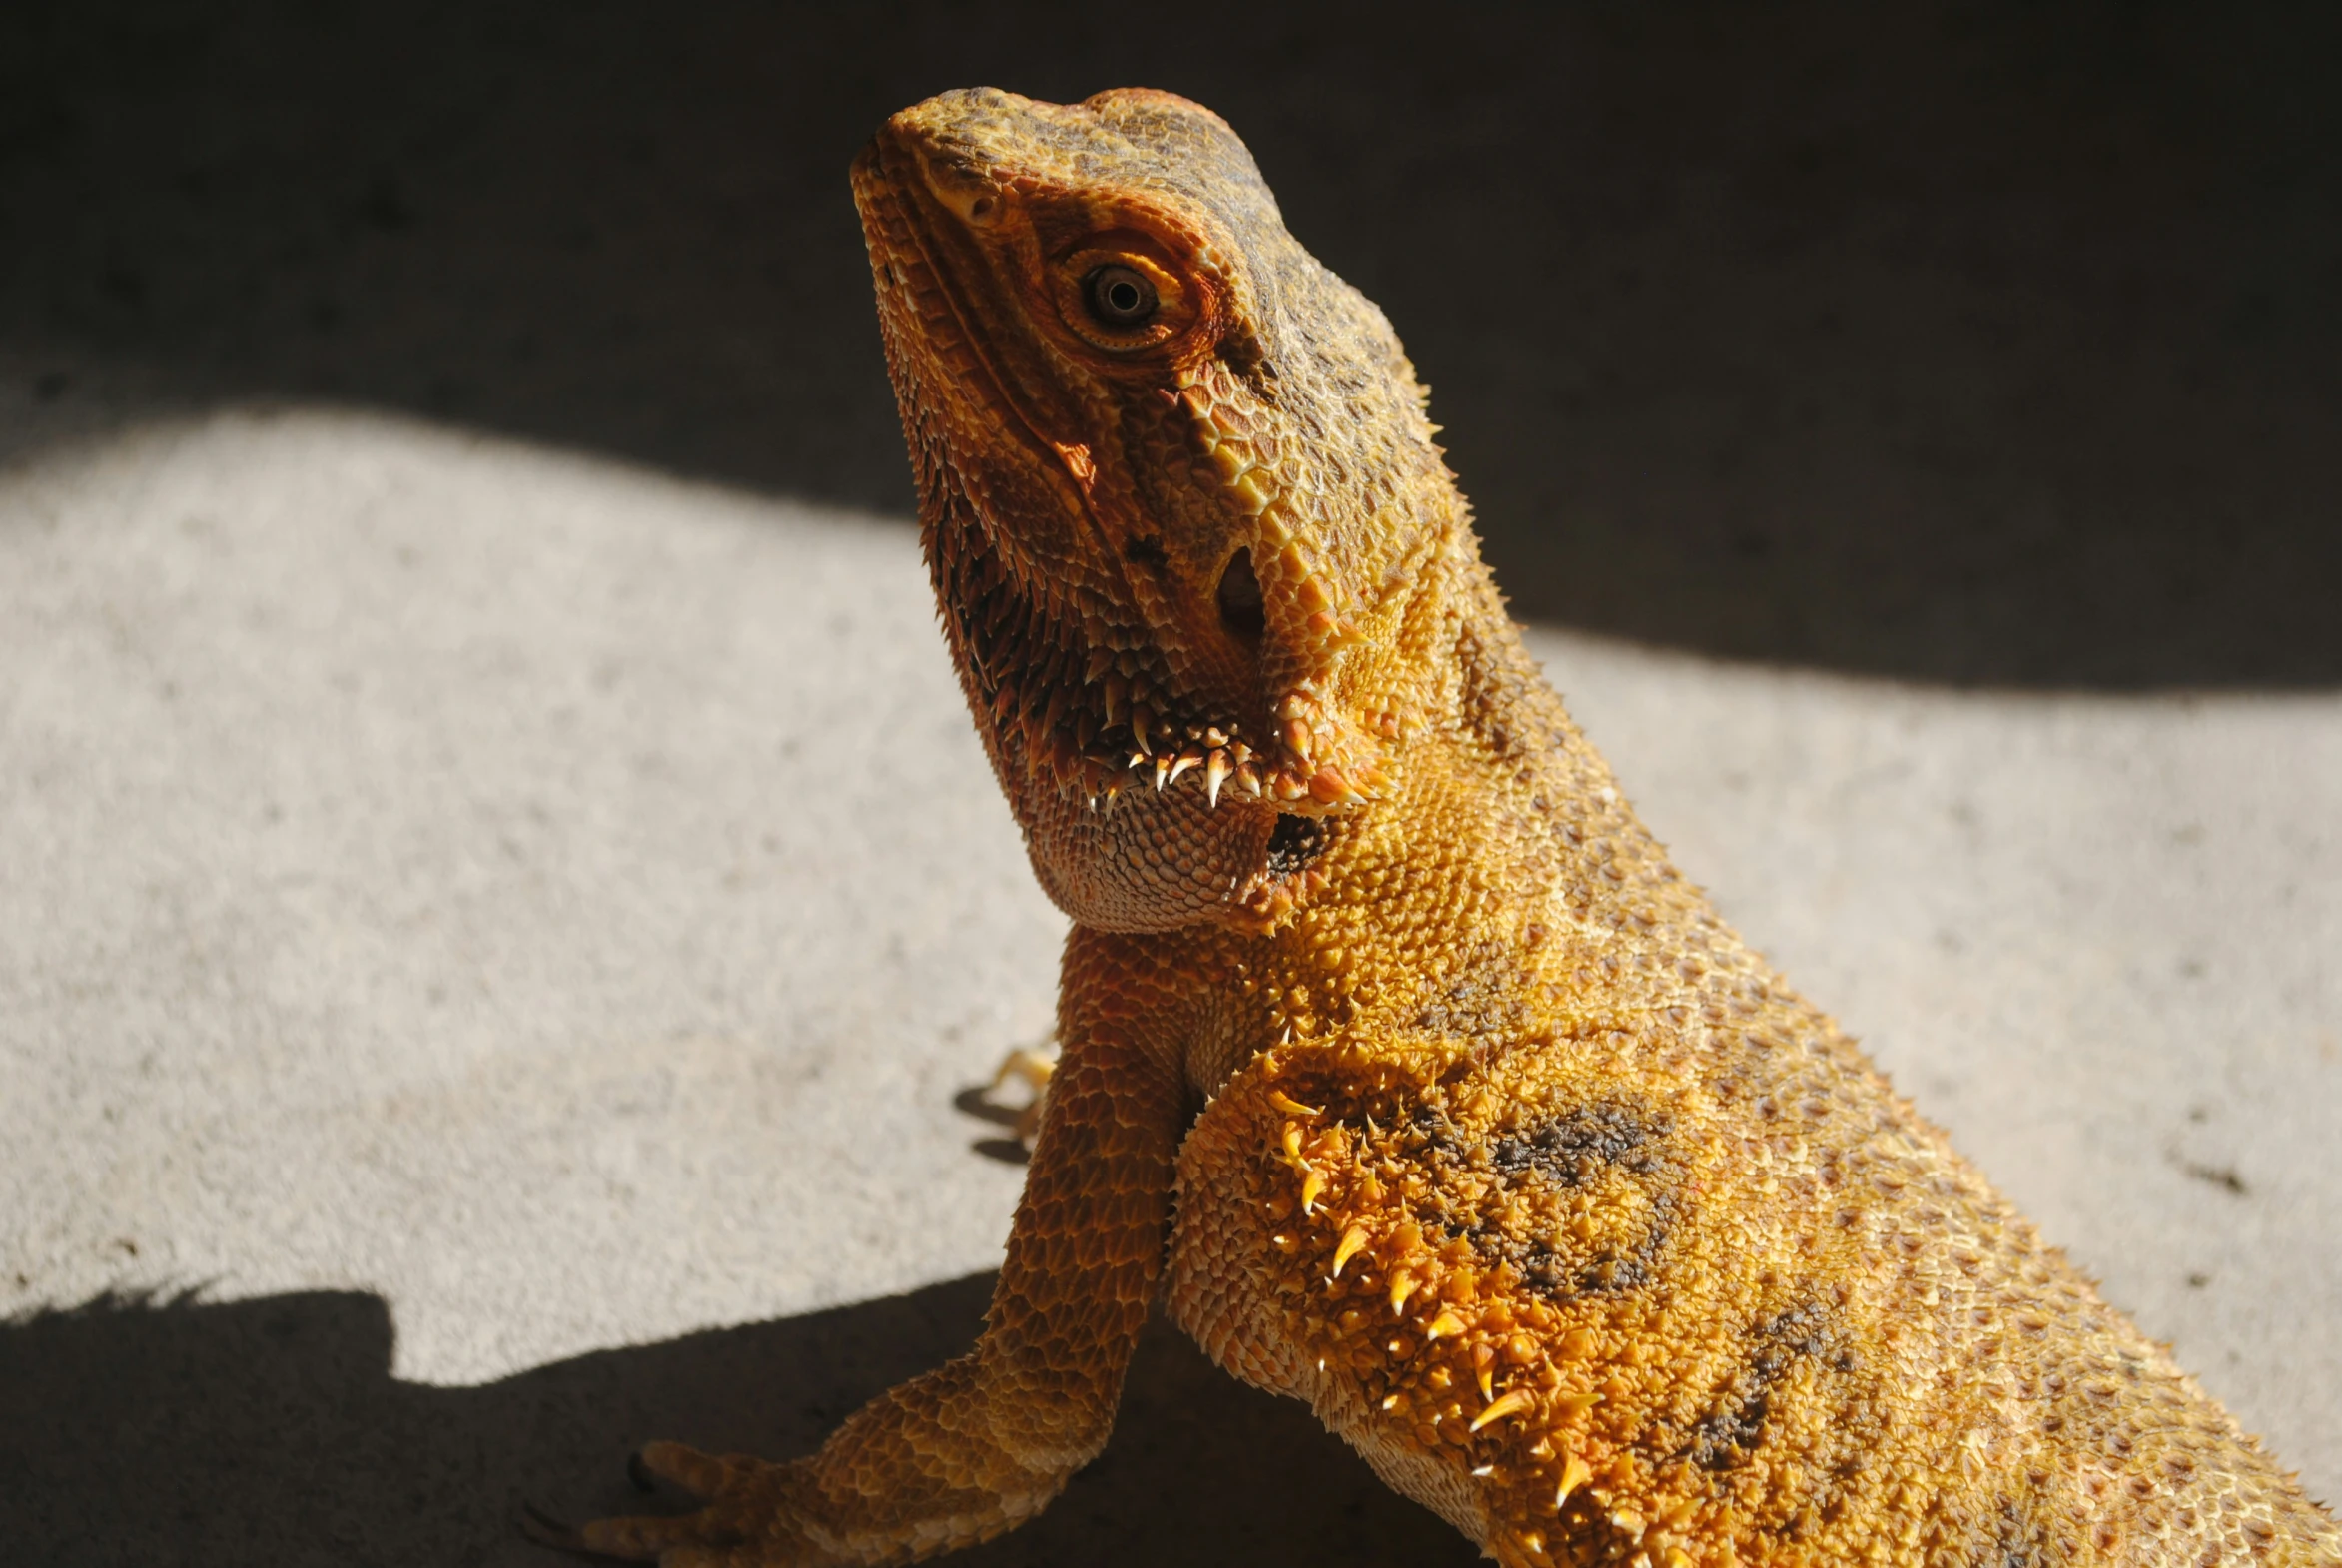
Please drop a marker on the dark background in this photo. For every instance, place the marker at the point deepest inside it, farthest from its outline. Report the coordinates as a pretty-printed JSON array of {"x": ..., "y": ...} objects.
[
  {"x": 1985, "y": 344},
  {"x": 1977, "y": 344}
]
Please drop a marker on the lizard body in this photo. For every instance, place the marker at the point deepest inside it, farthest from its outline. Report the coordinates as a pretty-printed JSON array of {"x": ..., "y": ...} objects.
[{"x": 1397, "y": 1059}]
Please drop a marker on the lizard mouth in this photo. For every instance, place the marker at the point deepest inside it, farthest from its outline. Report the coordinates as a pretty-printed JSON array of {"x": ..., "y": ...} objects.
[{"x": 1063, "y": 671}]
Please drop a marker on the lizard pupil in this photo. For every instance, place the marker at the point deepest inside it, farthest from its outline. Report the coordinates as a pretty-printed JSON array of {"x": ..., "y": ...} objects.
[{"x": 1119, "y": 296}]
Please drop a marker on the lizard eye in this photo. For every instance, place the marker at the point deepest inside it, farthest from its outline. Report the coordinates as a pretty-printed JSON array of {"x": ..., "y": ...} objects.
[{"x": 1118, "y": 296}]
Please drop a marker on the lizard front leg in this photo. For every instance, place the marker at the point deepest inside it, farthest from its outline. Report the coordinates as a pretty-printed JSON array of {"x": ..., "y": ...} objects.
[{"x": 983, "y": 1443}]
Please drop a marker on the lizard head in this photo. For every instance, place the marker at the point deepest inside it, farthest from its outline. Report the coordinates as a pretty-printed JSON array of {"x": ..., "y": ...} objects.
[{"x": 1177, "y": 491}]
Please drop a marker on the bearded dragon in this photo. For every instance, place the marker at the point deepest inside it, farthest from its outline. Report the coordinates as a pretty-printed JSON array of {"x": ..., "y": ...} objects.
[{"x": 1399, "y": 1063}]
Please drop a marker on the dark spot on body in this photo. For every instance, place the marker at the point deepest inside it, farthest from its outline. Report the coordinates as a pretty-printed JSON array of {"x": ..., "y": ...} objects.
[
  {"x": 1481, "y": 999},
  {"x": 1570, "y": 1152},
  {"x": 1733, "y": 1428},
  {"x": 1452, "y": 1013},
  {"x": 1571, "y": 1148},
  {"x": 1148, "y": 552}
]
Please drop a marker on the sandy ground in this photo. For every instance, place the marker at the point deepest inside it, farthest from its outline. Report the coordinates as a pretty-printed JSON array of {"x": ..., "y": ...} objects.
[{"x": 495, "y": 945}]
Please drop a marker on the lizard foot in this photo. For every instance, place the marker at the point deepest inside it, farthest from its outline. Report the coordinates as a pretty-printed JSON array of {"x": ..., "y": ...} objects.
[
  {"x": 746, "y": 1522},
  {"x": 1034, "y": 1067}
]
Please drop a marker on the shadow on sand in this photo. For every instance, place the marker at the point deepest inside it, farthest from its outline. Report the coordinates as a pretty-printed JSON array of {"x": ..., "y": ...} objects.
[{"x": 271, "y": 1431}]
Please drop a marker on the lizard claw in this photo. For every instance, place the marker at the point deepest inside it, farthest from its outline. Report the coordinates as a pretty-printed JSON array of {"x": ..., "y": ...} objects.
[
  {"x": 746, "y": 1521},
  {"x": 1032, "y": 1066},
  {"x": 546, "y": 1530},
  {"x": 702, "y": 1475}
]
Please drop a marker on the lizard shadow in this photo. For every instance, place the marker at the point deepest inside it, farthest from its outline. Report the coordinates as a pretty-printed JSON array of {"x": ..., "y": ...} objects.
[{"x": 272, "y": 1431}]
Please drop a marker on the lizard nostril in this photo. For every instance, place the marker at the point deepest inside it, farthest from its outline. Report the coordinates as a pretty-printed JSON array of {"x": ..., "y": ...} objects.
[{"x": 1241, "y": 608}]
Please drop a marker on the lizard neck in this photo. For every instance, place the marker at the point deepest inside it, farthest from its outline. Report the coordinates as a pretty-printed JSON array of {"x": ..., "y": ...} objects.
[{"x": 1506, "y": 891}]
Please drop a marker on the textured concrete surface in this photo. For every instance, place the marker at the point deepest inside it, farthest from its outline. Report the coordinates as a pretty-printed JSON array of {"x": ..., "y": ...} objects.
[{"x": 494, "y": 944}]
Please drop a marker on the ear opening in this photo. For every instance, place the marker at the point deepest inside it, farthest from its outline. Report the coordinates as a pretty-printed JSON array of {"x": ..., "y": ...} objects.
[{"x": 1242, "y": 608}]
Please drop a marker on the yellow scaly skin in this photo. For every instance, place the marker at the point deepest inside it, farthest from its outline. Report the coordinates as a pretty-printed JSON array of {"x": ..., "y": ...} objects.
[{"x": 1512, "y": 1159}]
